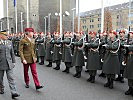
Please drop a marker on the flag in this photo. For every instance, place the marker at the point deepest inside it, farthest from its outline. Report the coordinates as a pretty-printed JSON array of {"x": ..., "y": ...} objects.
[{"x": 14, "y": 2}]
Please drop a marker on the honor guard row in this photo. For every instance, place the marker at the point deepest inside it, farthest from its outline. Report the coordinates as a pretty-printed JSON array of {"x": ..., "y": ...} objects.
[{"x": 110, "y": 52}]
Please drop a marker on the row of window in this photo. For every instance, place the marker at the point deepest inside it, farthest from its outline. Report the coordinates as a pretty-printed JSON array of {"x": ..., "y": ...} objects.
[
  {"x": 91, "y": 20},
  {"x": 99, "y": 19},
  {"x": 92, "y": 26}
]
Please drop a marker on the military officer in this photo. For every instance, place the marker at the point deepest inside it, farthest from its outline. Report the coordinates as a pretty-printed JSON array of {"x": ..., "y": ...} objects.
[
  {"x": 93, "y": 59},
  {"x": 28, "y": 57},
  {"x": 49, "y": 50},
  {"x": 111, "y": 64},
  {"x": 128, "y": 72},
  {"x": 7, "y": 63},
  {"x": 67, "y": 53},
  {"x": 78, "y": 56}
]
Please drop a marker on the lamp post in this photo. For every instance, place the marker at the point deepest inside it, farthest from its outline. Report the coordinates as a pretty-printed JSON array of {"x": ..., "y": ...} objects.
[
  {"x": 45, "y": 19},
  {"x": 21, "y": 22},
  {"x": 74, "y": 9},
  {"x": 49, "y": 21},
  {"x": 102, "y": 16},
  {"x": 78, "y": 16}
]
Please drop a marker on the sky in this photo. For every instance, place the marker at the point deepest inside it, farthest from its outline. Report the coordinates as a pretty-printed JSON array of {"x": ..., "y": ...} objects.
[{"x": 85, "y": 5}]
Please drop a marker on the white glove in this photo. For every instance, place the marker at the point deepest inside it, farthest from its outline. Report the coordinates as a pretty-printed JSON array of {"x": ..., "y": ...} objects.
[
  {"x": 51, "y": 52},
  {"x": 123, "y": 63},
  {"x": 105, "y": 45},
  {"x": 60, "y": 53},
  {"x": 85, "y": 57},
  {"x": 126, "y": 45}
]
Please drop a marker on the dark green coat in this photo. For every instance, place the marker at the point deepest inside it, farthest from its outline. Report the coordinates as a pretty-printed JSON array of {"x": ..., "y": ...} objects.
[
  {"x": 56, "y": 50},
  {"x": 128, "y": 73},
  {"x": 49, "y": 50},
  {"x": 78, "y": 57},
  {"x": 41, "y": 46},
  {"x": 111, "y": 64},
  {"x": 93, "y": 59},
  {"x": 121, "y": 53},
  {"x": 67, "y": 53}
]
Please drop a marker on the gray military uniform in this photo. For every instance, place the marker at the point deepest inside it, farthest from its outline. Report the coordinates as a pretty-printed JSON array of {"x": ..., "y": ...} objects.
[
  {"x": 128, "y": 72},
  {"x": 7, "y": 58}
]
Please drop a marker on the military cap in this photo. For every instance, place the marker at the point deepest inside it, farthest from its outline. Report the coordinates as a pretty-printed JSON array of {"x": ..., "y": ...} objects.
[
  {"x": 4, "y": 32},
  {"x": 29, "y": 30}
]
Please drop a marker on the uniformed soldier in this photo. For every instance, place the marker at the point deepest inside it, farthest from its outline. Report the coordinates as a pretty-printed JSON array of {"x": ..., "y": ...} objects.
[
  {"x": 111, "y": 64},
  {"x": 102, "y": 50},
  {"x": 57, "y": 50},
  {"x": 67, "y": 53},
  {"x": 121, "y": 53},
  {"x": 36, "y": 36},
  {"x": 93, "y": 59},
  {"x": 78, "y": 56},
  {"x": 128, "y": 72},
  {"x": 7, "y": 63},
  {"x": 41, "y": 47},
  {"x": 49, "y": 50},
  {"x": 16, "y": 41}
]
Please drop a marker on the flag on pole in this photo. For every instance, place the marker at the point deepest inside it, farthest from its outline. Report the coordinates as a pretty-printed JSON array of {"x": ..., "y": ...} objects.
[{"x": 14, "y": 2}]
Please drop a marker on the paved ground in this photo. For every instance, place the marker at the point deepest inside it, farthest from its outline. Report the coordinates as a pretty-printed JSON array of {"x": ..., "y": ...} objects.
[{"x": 61, "y": 86}]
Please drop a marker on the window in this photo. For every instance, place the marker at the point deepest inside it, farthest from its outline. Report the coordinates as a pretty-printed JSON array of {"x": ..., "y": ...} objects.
[
  {"x": 118, "y": 16},
  {"x": 91, "y": 20},
  {"x": 99, "y": 19},
  {"x": 117, "y": 23},
  {"x": 84, "y": 21},
  {"x": 84, "y": 27},
  {"x": 99, "y": 25},
  {"x": 91, "y": 26}
]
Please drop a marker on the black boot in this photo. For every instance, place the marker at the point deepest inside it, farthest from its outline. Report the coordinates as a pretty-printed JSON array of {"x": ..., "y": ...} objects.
[
  {"x": 67, "y": 71},
  {"x": 49, "y": 65},
  {"x": 2, "y": 91},
  {"x": 89, "y": 80},
  {"x": 102, "y": 75},
  {"x": 15, "y": 95},
  {"x": 111, "y": 84},
  {"x": 42, "y": 60},
  {"x": 108, "y": 83},
  {"x": 93, "y": 79},
  {"x": 118, "y": 78},
  {"x": 57, "y": 68},
  {"x": 75, "y": 75},
  {"x": 79, "y": 74},
  {"x": 129, "y": 91}
]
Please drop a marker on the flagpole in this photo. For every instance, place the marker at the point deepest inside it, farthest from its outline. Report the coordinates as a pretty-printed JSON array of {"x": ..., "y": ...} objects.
[
  {"x": 16, "y": 16},
  {"x": 8, "y": 19},
  {"x": 78, "y": 16},
  {"x": 27, "y": 13},
  {"x": 61, "y": 18},
  {"x": 102, "y": 16}
]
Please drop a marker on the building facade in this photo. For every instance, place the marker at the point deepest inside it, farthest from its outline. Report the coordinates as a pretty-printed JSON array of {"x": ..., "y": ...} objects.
[
  {"x": 38, "y": 9},
  {"x": 91, "y": 20}
]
